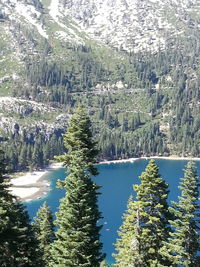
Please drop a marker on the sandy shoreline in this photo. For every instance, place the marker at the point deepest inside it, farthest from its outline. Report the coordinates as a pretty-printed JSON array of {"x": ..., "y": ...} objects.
[
  {"x": 119, "y": 161},
  {"x": 32, "y": 185},
  {"x": 148, "y": 158}
]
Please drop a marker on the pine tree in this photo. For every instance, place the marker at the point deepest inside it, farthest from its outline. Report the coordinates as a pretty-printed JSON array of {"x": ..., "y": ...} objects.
[
  {"x": 18, "y": 246},
  {"x": 44, "y": 229},
  {"x": 183, "y": 245},
  {"x": 128, "y": 245},
  {"x": 78, "y": 234},
  {"x": 23, "y": 157},
  {"x": 145, "y": 224},
  {"x": 38, "y": 157}
]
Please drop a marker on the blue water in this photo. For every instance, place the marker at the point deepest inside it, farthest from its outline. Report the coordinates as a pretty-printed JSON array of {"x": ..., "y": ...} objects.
[{"x": 116, "y": 181}]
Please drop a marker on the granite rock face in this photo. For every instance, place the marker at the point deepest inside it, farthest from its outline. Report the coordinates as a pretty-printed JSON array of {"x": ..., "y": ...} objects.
[{"x": 132, "y": 25}]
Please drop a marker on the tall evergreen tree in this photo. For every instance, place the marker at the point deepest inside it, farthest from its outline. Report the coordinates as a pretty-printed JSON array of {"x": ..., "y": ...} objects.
[
  {"x": 23, "y": 157},
  {"x": 183, "y": 245},
  {"x": 145, "y": 224},
  {"x": 44, "y": 229},
  {"x": 37, "y": 157},
  {"x": 78, "y": 234},
  {"x": 18, "y": 246},
  {"x": 128, "y": 246}
]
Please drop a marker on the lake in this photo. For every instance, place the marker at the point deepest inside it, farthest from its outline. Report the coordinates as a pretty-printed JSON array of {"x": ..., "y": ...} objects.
[{"x": 117, "y": 185}]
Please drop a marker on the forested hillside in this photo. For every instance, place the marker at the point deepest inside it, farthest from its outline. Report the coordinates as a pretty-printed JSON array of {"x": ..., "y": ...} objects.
[{"x": 147, "y": 91}]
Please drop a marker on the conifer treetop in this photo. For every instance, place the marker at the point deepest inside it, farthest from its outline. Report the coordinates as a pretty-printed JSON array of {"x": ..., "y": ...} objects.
[
  {"x": 183, "y": 245},
  {"x": 81, "y": 149},
  {"x": 146, "y": 222},
  {"x": 78, "y": 236}
]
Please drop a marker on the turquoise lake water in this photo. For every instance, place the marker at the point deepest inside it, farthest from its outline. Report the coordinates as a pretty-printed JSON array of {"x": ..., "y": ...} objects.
[{"x": 116, "y": 181}]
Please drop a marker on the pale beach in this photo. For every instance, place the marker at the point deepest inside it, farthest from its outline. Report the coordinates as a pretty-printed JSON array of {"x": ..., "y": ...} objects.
[
  {"x": 119, "y": 161},
  {"x": 148, "y": 158},
  {"x": 175, "y": 158},
  {"x": 32, "y": 185}
]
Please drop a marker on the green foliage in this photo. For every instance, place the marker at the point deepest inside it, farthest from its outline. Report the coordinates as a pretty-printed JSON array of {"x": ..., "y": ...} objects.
[
  {"x": 182, "y": 248},
  {"x": 129, "y": 246},
  {"x": 44, "y": 230},
  {"x": 18, "y": 246},
  {"x": 79, "y": 144},
  {"x": 78, "y": 235},
  {"x": 145, "y": 224},
  {"x": 26, "y": 151}
]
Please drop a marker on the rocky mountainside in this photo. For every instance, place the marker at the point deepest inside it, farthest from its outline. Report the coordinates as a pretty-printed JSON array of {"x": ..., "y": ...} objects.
[
  {"x": 133, "y": 25},
  {"x": 33, "y": 27},
  {"x": 129, "y": 61},
  {"x": 46, "y": 28}
]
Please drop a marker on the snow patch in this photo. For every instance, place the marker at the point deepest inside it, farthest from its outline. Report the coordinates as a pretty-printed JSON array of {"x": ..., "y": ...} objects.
[
  {"x": 54, "y": 10},
  {"x": 130, "y": 25},
  {"x": 55, "y": 13},
  {"x": 28, "y": 11},
  {"x": 32, "y": 16}
]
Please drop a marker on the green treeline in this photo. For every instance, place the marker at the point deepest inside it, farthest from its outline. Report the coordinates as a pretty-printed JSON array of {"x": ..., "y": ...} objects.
[
  {"x": 152, "y": 234},
  {"x": 26, "y": 151},
  {"x": 18, "y": 246}
]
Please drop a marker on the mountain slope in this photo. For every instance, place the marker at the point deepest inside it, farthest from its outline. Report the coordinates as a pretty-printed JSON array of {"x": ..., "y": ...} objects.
[
  {"x": 132, "y": 25},
  {"x": 134, "y": 65}
]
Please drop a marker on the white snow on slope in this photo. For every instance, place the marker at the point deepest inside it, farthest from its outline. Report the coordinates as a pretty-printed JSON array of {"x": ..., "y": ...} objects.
[
  {"x": 132, "y": 25},
  {"x": 117, "y": 22},
  {"x": 129, "y": 24},
  {"x": 27, "y": 12},
  {"x": 54, "y": 12}
]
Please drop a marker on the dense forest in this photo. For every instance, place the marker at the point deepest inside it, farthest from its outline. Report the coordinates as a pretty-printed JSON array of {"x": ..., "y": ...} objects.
[
  {"x": 31, "y": 152},
  {"x": 152, "y": 234}
]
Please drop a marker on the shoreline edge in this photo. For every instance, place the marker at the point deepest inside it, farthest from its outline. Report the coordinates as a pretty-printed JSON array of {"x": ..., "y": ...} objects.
[{"x": 32, "y": 185}]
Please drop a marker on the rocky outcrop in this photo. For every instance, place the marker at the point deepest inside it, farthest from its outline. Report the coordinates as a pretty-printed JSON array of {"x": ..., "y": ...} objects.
[
  {"x": 132, "y": 25},
  {"x": 18, "y": 115}
]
